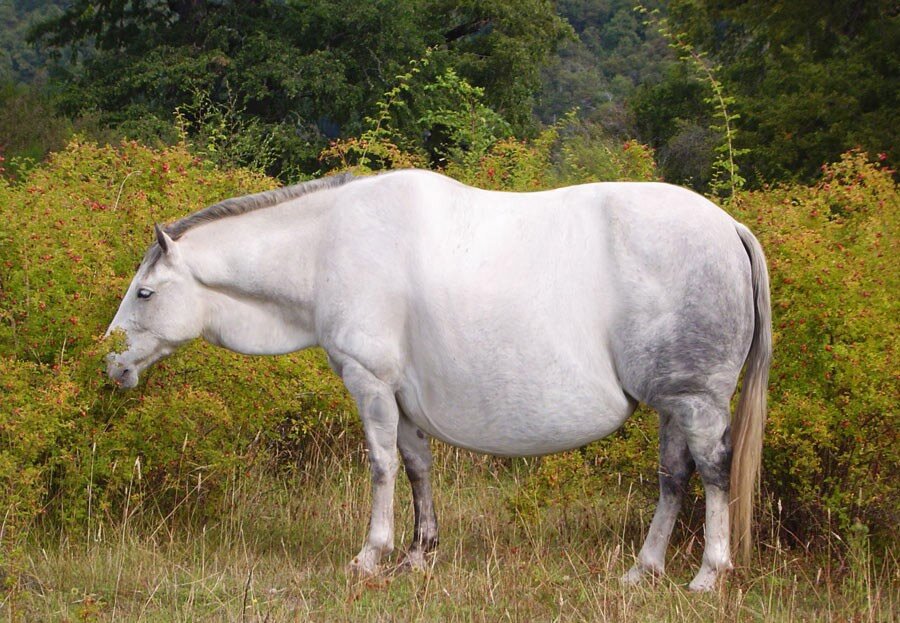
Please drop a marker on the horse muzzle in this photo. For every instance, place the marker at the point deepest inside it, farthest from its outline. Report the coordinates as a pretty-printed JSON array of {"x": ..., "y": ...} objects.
[{"x": 120, "y": 372}]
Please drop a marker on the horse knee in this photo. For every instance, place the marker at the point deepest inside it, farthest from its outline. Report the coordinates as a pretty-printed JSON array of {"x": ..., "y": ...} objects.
[{"x": 383, "y": 471}]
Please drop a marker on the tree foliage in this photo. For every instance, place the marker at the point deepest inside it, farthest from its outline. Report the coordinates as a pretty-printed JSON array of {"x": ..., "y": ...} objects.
[
  {"x": 307, "y": 71},
  {"x": 19, "y": 61},
  {"x": 599, "y": 68},
  {"x": 810, "y": 79}
]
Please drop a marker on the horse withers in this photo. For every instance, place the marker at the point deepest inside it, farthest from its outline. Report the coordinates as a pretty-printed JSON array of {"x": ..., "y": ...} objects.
[{"x": 505, "y": 323}]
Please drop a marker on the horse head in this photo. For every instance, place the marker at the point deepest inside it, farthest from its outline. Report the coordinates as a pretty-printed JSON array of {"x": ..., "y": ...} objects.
[{"x": 161, "y": 310}]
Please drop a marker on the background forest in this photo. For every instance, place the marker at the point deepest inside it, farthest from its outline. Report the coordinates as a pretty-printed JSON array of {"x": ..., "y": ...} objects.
[
  {"x": 269, "y": 84},
  {"x": 227, "y": 488}
]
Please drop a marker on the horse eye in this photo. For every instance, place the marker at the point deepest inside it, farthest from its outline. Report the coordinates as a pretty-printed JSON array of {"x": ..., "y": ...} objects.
[{"x": 144, "y": 293}]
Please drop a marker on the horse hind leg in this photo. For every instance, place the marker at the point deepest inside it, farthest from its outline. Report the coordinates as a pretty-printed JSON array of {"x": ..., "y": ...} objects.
[
  {"x": 705, "y": 422},
  {"x": 675, "y": 468},
  {"x": 416, "y": 453}
]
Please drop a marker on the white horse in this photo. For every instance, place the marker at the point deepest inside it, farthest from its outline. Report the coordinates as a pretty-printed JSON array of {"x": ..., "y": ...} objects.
[{"x": 511, "y": 324}]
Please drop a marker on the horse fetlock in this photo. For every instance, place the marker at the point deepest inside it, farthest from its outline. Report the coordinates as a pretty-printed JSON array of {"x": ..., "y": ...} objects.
[
  {"x": 719, "y": 561},
  {"x": 429, "y": 543},
  {"x": 367, "y": 561},
  {"x": 707, "y": 578},
  {"x": 381, "y": 543},
  {"x": 653, "y": 564},
  {"x": 716, "y": 565},
  {"x": 362, "y": 567},
  {"x": 641, "y": 572}
]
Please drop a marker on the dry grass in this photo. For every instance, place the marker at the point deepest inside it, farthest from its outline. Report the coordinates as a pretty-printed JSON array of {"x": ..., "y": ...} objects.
[{"x": 277, "y": 548}]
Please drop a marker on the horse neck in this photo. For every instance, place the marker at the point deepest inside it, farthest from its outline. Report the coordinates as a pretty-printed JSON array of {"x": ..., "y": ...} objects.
[{"x": 258, "y": 271}]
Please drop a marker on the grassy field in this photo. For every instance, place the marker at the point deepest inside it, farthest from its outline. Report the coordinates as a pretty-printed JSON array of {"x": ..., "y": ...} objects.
[{"x": 277, "y": 548}]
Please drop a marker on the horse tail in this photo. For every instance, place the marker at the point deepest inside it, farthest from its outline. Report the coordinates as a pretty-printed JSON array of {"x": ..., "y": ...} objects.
[{"x": 750, "y": 416}]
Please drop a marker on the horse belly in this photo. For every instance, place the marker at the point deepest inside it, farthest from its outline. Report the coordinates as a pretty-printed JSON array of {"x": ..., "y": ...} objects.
[{"x": 523, "y": 411}]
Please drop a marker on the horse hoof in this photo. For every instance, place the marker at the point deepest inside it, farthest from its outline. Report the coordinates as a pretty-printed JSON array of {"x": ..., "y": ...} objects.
[
  {"x": 704, "y": 581},
  {"x": 414, "y": 560},
  {"x": 357, "y": 568},
  {"x": 634, "y": 576},
  {"x": 701, "y": 585}
]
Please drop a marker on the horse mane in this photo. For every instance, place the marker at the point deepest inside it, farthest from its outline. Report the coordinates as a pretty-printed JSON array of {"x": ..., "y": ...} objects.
[
  {"x": 236, "y": 206},
  {"x": 248, "y": 203}
]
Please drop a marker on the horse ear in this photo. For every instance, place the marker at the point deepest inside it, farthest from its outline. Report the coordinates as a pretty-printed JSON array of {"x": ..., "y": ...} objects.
[{"x": 165, "y": 243}]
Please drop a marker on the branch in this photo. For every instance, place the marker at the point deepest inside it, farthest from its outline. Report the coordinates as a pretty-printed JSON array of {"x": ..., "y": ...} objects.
[{"x": 465, "y": 30}]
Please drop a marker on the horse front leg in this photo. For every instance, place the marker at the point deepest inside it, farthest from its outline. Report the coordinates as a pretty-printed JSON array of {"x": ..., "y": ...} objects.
[
  {"x": 416, "y": 455},
  {"x": 380, "y": 418}
]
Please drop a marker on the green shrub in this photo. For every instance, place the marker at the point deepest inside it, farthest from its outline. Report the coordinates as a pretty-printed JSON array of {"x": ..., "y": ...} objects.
[
  {"x": 558, "y": 480},
  {"x": 831, "y": 442},
  {"x": 588, "y": 155},
  {"x": 39, "y": 413},
  {"x": 71, "y": 235}
]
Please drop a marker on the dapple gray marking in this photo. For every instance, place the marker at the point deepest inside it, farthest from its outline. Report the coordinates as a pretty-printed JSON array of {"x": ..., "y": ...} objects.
[{"x": 514, "y": 324}]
